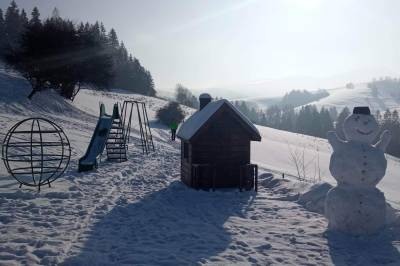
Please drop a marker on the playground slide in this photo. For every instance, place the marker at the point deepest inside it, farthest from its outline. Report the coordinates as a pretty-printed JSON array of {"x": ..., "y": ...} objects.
[{"x": 97, "y": 143}]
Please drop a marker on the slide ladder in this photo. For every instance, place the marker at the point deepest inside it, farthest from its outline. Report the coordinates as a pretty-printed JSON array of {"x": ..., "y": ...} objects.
[
  {"x": 108, "y": 134},
  {"x": 116, "y": 142}
]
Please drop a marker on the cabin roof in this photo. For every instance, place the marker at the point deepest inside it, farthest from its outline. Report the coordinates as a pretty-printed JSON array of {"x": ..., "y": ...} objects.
[{"x": 201, "y": 117}]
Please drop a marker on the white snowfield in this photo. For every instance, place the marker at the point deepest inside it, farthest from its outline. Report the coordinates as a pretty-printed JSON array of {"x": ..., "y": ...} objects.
[
  {"x": 139, "y": 213},
  {"x": 360, "y": 95},
  {"x": 273, "y": 153}
]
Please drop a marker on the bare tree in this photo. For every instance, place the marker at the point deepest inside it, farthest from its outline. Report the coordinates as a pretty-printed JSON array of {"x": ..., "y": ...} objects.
[{"x": 308, "y": 170}]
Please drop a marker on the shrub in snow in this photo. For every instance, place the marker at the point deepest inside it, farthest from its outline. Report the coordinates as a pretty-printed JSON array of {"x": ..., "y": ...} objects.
[
  {"x": 170, "y": 113},
  {"x": 355, "y": 205}
]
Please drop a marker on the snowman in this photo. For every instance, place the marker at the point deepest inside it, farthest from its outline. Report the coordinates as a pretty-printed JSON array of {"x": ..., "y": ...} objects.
[{"x": 355, "y": 206}]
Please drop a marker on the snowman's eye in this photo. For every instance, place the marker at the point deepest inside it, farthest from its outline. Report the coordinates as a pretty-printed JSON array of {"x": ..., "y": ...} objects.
[{"x": 357, "y": 118}]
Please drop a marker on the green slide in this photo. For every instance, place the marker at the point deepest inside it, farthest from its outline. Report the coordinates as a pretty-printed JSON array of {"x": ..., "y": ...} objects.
[{"x": 97, "y": 143}]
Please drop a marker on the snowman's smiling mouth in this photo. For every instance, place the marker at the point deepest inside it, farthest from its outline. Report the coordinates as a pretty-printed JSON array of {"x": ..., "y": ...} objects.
[{"x": 363, "y": 132}]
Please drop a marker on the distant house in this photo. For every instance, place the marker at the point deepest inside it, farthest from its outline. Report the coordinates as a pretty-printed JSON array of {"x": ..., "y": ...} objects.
[{"x": 215, "y": 147}]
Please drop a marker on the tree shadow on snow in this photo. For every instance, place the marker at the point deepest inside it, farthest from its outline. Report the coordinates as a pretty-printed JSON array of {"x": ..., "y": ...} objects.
[
  {"x": 175, "y": 225},
  {"x": 366, "y": 251}
]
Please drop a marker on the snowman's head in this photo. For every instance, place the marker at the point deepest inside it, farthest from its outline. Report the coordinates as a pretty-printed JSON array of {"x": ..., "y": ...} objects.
[{"x": 361, "y": 126}]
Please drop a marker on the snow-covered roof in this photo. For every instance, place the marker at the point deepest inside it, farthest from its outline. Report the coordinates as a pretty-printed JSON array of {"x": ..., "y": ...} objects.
[{"x": 198, "y": 119}]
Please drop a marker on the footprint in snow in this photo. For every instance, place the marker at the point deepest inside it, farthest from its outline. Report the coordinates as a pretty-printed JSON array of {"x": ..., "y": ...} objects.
[
  {"x": 264, "y": 247},
  {"x": 241, "y": 243}
]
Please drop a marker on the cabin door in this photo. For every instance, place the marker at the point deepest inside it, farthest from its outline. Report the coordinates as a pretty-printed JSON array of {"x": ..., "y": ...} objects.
[{"x": 227, "y": 174}]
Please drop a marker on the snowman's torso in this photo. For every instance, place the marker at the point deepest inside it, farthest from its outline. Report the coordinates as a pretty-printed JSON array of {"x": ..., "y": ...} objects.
[{"x": 358, "y": 163}]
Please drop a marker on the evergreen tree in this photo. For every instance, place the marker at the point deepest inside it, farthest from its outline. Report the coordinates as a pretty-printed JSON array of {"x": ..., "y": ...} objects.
[
  {"x": 2, "y": 34},
  {"x": 151, "y": 91},
  {"x": 113, "y": 39},
  {"x": 35, "y": 17},
  {"x": 273, "y": 116},
  {"x": 87, "y": 27},
  {"x": 316, "y": 125},
  {"x": 13, "y": 26},
  {"x": 395, "y": 117},
  {"x": 333, "y": 113},
  {"x": 1, "y": 20},
  {"x": 263, "y": 119},
  {"x": 326, "y": 122},
  {"x": 103, "y": 33},
  {"x": 95, "y": 30},
  {"x": 24, "y": 18},
  {"x": 55, "y": 14},
  {"x": 122, "y": 53},
  {"x": 339, "y": 123},
  {"x": 288, "y": 119},
  {"x": 387, "y": 116},
  {"x": 81, "y": 28},
  {"x": 390, "y": 122}
]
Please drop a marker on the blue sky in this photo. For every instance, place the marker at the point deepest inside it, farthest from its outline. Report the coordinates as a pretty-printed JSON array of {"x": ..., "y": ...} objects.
[{"x": 234, "y": 44}]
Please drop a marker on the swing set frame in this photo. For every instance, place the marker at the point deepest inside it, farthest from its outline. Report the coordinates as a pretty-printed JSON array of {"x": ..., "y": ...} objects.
[{"x": 146, "y": 137}]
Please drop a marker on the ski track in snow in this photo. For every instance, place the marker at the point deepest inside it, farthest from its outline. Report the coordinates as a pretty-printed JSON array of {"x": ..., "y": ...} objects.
[{"x": 139, "y": 213}]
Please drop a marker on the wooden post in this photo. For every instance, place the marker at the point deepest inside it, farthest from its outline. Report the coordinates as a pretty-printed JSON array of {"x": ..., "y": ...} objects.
[
  {"x": 214, "y": 170},
  {"x": 240, "y": 178},
  {"x": 256, "y": 179},
  {"x": 194, "y": 179}
]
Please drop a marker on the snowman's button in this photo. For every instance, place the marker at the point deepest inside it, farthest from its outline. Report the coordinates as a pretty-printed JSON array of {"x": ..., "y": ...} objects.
[
  {"x": 363, "y": 171},
  {"x": 365, "y": 163}
]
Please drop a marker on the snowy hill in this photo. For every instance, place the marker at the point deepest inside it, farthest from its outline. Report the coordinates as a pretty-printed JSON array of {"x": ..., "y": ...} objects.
[
  {"x": 361, "y": 95},
  {"x": 274, "y": 153},
  {"x": 139, "y": 213}
]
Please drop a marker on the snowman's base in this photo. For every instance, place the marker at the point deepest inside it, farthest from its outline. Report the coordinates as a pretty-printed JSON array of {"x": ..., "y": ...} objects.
[{"x": 355, "y": 211}]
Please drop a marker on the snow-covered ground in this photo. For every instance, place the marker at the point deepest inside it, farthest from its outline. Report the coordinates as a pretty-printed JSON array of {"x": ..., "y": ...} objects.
[
  {"x": 139, "y": 213},
  {"x": 361, "y": 95},
  {"x": 275, "y": 149}
]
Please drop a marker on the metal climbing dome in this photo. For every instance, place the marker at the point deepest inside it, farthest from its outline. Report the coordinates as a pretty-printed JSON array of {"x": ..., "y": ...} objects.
[{"x": 36, "y": 152}]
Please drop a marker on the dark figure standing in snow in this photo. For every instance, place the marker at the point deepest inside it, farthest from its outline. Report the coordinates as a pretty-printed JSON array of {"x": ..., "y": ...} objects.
[{"x": 173, "y": 126}]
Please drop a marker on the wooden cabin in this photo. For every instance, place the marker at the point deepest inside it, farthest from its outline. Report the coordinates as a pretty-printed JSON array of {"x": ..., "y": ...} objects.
[{"x": 215, "y": 147}]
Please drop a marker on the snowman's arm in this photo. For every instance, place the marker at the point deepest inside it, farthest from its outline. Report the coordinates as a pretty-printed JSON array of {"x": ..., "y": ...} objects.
[
  {"x": 384, "y": 140},
  {"x": 334, "y": 140}
]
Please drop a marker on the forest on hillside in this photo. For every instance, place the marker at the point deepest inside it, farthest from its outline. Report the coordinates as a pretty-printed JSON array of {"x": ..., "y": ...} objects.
[
  {"x": 307, "y": 120},
  {"x": 297, "y": 98},
  {"x": 294, "y": 98},
  {"x": 310, "y": 121},
  {"x": 390, "y": 85},
  {"x": 59, "y": 54}
]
